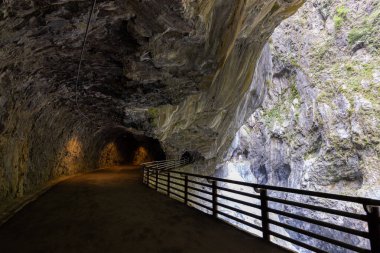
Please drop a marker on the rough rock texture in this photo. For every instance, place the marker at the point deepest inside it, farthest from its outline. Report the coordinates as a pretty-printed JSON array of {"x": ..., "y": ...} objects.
[
  {"x": 176, "y": 70},
  {"x": 319, "y": 125}
]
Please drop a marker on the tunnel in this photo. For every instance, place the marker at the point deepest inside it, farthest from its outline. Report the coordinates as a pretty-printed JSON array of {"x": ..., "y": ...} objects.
[
  {"x": 120, "y": 146},
  {"x": 86, "y": 85}
]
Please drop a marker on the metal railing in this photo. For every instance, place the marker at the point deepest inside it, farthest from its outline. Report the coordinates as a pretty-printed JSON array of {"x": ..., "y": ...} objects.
[
  {"x": 214, "y": 195},
  {"x": 166, "y": 165}
]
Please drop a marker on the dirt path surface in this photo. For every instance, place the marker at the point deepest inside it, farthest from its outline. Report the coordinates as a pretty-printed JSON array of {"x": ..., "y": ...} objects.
[{"x": 112, "y": 211}]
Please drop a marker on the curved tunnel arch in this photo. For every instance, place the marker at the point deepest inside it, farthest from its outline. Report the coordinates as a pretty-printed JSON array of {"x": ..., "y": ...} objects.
[{"x": 117, "y": 145}]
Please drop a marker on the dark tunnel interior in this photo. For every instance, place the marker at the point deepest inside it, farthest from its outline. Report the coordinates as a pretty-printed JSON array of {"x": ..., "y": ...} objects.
[{"x": 126, "y": 148}]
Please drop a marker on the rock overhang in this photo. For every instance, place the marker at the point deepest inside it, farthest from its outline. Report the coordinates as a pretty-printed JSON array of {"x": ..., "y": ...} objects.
[{"x": 176, "y": 70}]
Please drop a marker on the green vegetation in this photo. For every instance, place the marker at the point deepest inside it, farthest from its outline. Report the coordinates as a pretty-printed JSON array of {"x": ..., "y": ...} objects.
[
  {"x": 274, "y": 114},
  {"x": 349, "y": 67},
  {"x": 321, "y": 51},
  {"x": 357, "y": 34},
  {"x": 295, "y": 62},
  {"x": 153, "y": 114},
  {"x": 294, "y": 92},
  {"x": 269, "y": 83},
  {"x": 280, "y": 112},
  {"x": 340, "y": 16},
  {"x": 368, "y": 31},
  {"x": 347, "y": 80},
  {"x": 342, "y": 11}
]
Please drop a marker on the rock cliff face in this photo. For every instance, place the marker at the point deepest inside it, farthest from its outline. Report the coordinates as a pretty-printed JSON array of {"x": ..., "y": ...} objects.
[
  {"x": 319, "y": 125},
  {"x": 178, "y": 71}
]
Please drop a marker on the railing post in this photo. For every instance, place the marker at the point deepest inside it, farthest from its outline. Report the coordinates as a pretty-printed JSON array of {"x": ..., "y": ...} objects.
[
  {"x": 144, "y": 172},
  {"x": 168, "y": 191},
  {"x": 186, "y": 190},
  {"x": 214, "y": 200},
  {"x": 373, "y": 213},
  {"x": 156, "y": 180},
  {"x": 264, "y": 213},
  {"x": 148, "y": 172}
]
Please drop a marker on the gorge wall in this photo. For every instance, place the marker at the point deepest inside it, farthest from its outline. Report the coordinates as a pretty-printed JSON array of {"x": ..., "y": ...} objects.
[
  {"x": 178, "y": 71},
  {"x": 319, "y": 125}
]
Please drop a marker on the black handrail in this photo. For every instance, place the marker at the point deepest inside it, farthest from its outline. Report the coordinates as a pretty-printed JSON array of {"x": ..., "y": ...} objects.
[
  {"x": 166, "y": 164},
  {"x": 208, "y": 196}
]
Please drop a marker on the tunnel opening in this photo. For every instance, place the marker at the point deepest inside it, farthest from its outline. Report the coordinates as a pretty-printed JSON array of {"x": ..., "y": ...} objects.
[
  {"x": 127, "y": 148},
  {"x": 192, "y": 156}
]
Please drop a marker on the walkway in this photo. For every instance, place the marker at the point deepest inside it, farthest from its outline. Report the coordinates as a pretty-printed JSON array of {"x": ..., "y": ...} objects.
[{"x": 112, "y": 211}]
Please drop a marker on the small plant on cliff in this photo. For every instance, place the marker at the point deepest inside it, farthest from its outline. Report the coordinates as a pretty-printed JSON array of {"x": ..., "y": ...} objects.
[
  {"x": 294, "y": 94},
  {"x": 274, "y": 114},
  {"x": 153, "y": 115},
  {"x": 357, "y": 34},
  {"x": 367, "y": 31},
  {"x": 153, "y": 112},
  {"x": 340, "y": 16}
]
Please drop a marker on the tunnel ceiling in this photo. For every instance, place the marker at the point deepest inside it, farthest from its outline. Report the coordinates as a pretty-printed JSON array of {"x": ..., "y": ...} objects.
[{"x": 178, "y": 70}]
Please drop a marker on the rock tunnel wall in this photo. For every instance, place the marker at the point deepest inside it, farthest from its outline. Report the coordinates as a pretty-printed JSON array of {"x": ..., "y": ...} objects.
[{"x": 174, "y": 70}]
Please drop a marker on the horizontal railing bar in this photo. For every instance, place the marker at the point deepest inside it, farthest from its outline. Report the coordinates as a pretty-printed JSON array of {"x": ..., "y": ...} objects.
[
  {"x": 239, "y": 201},
  {"x": 175, "y": 194},
  {"x": 240, "y": 221},
  {"x": 161, "y": 184},
  {"x": 162, "y": 161},
  {"x": 200, "y": 190},
  {"x": 158, "y": 165},
  {"x": 199, "y": 204},
  {"x": 304, "y": 245},
  {"x": 319, "y": 208},
  {"x": 163, "y": 189},
  {"x": 178, "y": 178},
  {"x": 317, "y": 236},
  {"x": 239, "y": 192},
  {"x": 240, "y": 211},
  {"x": 176, "y": 189},
  {"x": 165, "y": 162},
  {"x": 360, "y": 200},
  {"x": 200, "y": 183},
  {"x": 175, "y": 183},
  {"x": 199, "y": 197},
  {"x": 164, "y": 166},
  {"x": 155, "y": 173},
  {"x": 152, "y": 179},
  {"x": 321, "y": 223},
  {"x": 162, "y": 170},
  {"x": 152, "y": 165}
]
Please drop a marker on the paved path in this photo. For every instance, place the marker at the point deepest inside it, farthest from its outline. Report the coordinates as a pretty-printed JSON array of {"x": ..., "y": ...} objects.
[{"x": 112, "y": 211}]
